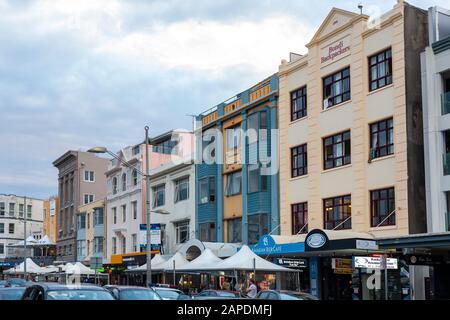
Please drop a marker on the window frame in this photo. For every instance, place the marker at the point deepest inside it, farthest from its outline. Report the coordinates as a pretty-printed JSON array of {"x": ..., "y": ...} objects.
[
  {"x": 392, "y": 220},
  {"x": 301, "y": 151},
  {"x": 156, "y": 190},
  {"x": 179, "y": 191},
  {"x": 263, "y": 228},
  {"x": 300, "y": 95},
  {"x": 344, "y": 95},
  {"x": 375, "y": 151},
  {"x": 90, "y": 176},
  {"x": 182, "y": 226},
  {"x": 234, "y": 222},
  {"x": 209, "y": 228},
  {"x": 13, "y": 228},
  {"x": 2, "y": 209},
  {"x": 230, "y": 184},
  {"x": 210, "y": 184},
  {"x": 346, "y": 159},
  {"x": 89, "y": 198},
  {"x": 388, "y": 77},
  {"x": 329, "y": 224},
  {"x": 299, "y": 208}
]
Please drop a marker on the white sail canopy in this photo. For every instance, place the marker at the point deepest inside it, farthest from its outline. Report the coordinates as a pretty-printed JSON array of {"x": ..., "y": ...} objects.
[
  {"x": 45, "y": 241},
  {"x": 206, "y": 261},
  {"x": 32, "y": 267},
  {"x": 156, "y": 260},
  {"x": 78, "y": 268},
  {"x": 30, "y": 242},
  {"x": 168, "y": 265}
]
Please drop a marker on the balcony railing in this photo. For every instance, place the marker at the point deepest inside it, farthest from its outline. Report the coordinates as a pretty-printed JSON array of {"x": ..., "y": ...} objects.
[
  {"x": 445, "y": 103},
  {"x": 446, "y": 162}
]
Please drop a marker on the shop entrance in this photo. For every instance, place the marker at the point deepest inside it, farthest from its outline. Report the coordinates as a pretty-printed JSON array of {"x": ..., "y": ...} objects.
[{"x": 336, "y": 285}]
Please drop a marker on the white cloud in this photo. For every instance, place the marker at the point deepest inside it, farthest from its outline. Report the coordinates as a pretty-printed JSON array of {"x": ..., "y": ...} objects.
[{"x": 213, "y": 46}]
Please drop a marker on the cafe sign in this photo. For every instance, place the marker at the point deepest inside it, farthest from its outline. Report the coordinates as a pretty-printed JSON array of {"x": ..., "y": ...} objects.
[{"x": 335, "y": 50}]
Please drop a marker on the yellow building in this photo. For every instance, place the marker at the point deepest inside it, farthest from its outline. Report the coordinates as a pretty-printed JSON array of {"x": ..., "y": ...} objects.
[
  {"x": 91, "y": 231},
  {"x": 351, "y": 146},
  {"x": 51, "y": 207}
]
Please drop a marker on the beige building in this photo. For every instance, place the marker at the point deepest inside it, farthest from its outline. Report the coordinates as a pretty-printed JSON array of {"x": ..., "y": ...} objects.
[
  {"x": 51, "y": 206},
  {"x": 91, "y": 231},
  {"x": 350, "y": 119}
]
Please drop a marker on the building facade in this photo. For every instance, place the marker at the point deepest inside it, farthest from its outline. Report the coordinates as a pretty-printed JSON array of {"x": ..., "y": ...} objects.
[
  {"x": 81, "y": 180},
  {"x": 51, "y": 210},
  {"x": 12, "y": 219},
  {"x": 351, "y": 145},
  {"x": 236, "y": 167},
  {"x": 126, "y": 196},
  {"x": 91, "y": 231}
]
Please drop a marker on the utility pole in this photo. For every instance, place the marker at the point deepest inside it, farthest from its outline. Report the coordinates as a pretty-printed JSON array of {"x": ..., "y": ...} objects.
[
  {"x": 25, "y": 237},
  {"x": 149, "y": 239}
]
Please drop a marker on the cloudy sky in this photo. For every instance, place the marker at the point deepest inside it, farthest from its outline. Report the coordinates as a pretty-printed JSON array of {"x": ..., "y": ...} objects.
[{"x": 75, "y": 74}]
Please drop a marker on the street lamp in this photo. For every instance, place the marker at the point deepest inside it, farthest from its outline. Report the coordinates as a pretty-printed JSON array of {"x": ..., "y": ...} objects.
[{"x": 147, "y": 178}]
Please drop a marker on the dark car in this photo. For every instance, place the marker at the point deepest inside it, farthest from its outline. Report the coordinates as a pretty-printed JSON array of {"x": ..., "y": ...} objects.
[
  {"x": 14, "y": 293},
  {"x": 171, "y": 293},
  {"x": 216, "y": 295},
  {"x": 284, "y": 295},
  {"x": 56, "y": 291},
  {"x": 132, "y": 293}
]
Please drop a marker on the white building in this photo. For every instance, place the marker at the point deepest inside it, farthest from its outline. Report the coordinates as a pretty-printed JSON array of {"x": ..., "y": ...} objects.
[
  {"x": 12, "y": 209},
  {"x": 173, "y": 190},
  {"x": 436, "y": 119}
]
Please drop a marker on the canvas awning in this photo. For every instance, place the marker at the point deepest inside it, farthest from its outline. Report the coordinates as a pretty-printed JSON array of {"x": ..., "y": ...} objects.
[
  {"x": 78, "y": 268},
  {"x": 156, "y": 260},
  {"x": 32, "y": 267},
  {"x": 169, "y": 264},
  {"x": 206, "y": 261}
]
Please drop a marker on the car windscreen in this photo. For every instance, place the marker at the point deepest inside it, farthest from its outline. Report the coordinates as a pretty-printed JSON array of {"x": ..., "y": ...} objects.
[
  {"x": 284, "y": 296},
  {"x": 226, "y": 294},
  {"x": 17, "y": 282},
  {"x": 79, "y": 294},
  {"x": 138, "y": 294},
  {"x": 11, "y": 294},
  {"x": 168, "y": 294}
]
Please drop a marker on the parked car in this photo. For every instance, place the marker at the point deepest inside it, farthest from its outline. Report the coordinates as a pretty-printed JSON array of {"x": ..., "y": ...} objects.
[
  {"x": 14, "y": 293},
  {"x": 3, "y": 284},
  {"x": 217, "y": 295},
  {"x": 284, "y": 295},
  {"x": 171, "y": 293},
  {"x": 15, "y": 282},
  {"x": 56, "y": 291},
  {"x": 132, "y": 293}
]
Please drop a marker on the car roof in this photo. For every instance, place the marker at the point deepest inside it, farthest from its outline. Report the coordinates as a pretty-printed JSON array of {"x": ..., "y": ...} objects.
[
  {"x": 166, "y": 289},
  {"x": 125, "y": 287},
  {"x": 59, "y": 286},
  {"x": 12, "y": 288}
]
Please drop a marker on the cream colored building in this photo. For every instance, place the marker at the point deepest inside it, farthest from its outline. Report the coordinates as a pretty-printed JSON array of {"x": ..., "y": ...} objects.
[{"x": 381, "y": 61}]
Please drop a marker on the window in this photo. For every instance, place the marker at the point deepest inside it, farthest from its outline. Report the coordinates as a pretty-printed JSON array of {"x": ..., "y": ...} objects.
[
  {"x": 114, "y": 245},
  {"x": 114, "y": 185},
  {"x": 382, "y": 207},
  {"x": 380, "y": 70},
  {"x": 298, "y": 104},
  {"x": 81, "y": 221},
  {"x": 182, "y": 231},
  {"x": 98, "y": 245},
  {"x": 299, "y": 218},
  {"x": 2, "y": 209},
  {"x": 234, "y": 138},
  {"x": 12, "y": 209},
  {"x": 29, "y": 210},
  {"x": 98, "y": 216},
  {"x": 124, "y": 213},
  {"x": 337, "y": 213},
  {"x": 159, "y": 195},
  {"x": 11, "y": 228},
  {"x": 81, "y": 248},
  {"x": 181, "y": 189},
  {"x": 88, "y": 198},
  {"x": 257, "y": 227},
  {"x": 235, "y": 230},
  {"x": 89, "y": 176},
  {"x": 2, "y": 248},
  {"x": 134, "y": 208},
  {"x": 166, "y": 147},
  {"x": 256, "y": 128},
  {"x": 114, "y": 210},
  {"x": 336, "y": 88},
  {"x": 134, "y": 242},
  {"x": 136, "y": 150},
  {"x": 21, "y": 209},
  {"x": 88, "y": 247},
  {"x": 256, "y": 181},
  {"x": 88, "y": 220},
  {"x": 337, "y": 150},
  {"x": 135, "y": 177},
  {"x": 2, "y": 228},
  {"x": 124, "y": 245},
  {"x": 207, "y": 231},
  {"x": 299, "y": 161},
  {"x": 207, "y": 190},
  {"x": 124, "y": 182},
  {"x": 381, "y": 138},
  {"x": 234, "y": 183}
]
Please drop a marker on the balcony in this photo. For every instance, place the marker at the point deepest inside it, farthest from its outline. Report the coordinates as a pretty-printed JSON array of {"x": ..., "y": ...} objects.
[
  {"x": 445, "y": 98},
  {"x": 446, "y": 162}
]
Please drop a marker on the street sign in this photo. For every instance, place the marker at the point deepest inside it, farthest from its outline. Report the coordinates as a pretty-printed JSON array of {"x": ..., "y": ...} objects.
[
  {"x": 292, "y": 263},
  {"x": 374, "y": 263},
  {"x": 96, "y": 262},
  {"x": 155, "y": 236}
]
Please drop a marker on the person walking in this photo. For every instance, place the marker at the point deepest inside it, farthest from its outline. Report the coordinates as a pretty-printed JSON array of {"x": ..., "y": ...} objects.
[{"x": 252, "y": 290}]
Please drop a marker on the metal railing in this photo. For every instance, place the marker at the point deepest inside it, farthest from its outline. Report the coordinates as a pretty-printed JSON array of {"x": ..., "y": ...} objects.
[{"x": 445, "y": 98}]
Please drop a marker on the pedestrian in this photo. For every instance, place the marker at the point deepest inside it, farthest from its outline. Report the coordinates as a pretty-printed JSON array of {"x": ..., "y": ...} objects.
[
  {"x": 226, "y": 285},
  {"x": 252, "y": 290}
]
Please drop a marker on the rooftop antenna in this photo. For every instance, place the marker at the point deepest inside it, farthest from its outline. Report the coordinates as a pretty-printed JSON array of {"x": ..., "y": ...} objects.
[{"x": 360, "y": 7}]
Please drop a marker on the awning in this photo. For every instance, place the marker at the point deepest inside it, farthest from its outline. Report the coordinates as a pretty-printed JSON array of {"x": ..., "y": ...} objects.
[
  {"x": 206, "y": 261},
  {"x": 424, "y": 240}
]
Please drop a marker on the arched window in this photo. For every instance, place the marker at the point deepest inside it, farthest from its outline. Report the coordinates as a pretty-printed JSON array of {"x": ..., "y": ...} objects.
[
  {"x": 124, "y": 181},
  {"x": 114, "y": 185},
  {"x": 135, "y": 177}
]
